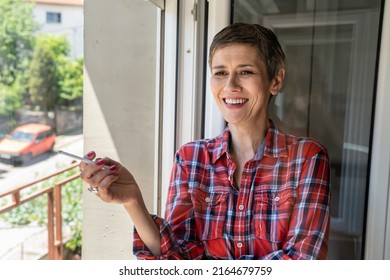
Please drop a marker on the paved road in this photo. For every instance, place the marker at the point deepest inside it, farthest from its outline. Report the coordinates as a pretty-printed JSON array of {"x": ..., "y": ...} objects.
[{"x": 42, "y": 165}]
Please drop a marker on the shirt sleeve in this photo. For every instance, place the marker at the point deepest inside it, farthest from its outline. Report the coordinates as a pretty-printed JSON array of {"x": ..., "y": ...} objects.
[
  {"x": 310, "y": 220},
  {"x": 178, "y": 237}
]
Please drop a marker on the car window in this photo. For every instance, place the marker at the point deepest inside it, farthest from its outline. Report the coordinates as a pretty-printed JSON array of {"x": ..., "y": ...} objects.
[
  {"x": 21, "y": 136},
  {"x": 40, "y": 136},
  {"x": 49, "y": 133}
]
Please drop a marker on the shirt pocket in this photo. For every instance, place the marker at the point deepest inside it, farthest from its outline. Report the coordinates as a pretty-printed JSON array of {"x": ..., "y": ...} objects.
[
  {"x": 272, "y": 213},
  {"x": 210, "y": 211}
]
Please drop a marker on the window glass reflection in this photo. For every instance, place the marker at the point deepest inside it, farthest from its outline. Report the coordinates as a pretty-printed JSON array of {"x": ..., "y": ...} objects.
[{"x": 331, "y": 50}]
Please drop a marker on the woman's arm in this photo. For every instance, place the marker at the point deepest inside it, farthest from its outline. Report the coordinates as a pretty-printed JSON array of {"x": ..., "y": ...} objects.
[
  {"x": 177, "y": 232},
  {"x": 116, "y": 184}
]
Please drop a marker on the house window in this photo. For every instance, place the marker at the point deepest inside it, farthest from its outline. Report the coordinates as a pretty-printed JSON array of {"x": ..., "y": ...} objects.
[{"x": 52, "y": 17}]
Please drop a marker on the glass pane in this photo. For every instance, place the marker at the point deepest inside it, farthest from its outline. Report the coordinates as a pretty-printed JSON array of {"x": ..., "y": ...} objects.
[
  {"x": 331, "y": 50},
  {"x": 41, "y": 110}
]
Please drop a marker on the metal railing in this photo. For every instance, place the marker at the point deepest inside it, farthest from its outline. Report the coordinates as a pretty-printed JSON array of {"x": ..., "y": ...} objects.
[{"x": 54, "y": 202}]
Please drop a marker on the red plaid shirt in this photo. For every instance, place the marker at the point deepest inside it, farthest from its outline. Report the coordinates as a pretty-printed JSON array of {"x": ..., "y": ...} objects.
[{"x": 279, "y": 211}]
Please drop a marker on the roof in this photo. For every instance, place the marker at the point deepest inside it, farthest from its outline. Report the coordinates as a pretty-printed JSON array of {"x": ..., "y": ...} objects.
[{"x": 61, "y": 2}]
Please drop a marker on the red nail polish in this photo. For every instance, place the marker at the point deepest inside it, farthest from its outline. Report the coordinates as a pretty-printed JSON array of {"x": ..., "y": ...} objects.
[
  {"x": 100, "y": 162},
  {"x": 91, "y": 154},
  {"x": 112, "y": 167}
]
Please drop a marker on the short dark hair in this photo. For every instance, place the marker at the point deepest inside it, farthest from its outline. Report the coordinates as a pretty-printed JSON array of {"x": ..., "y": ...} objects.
[{"x": 262, "y": 38}]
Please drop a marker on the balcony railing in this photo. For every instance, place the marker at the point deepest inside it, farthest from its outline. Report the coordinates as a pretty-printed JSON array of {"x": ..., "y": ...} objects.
[{"x": 54, "y": 201}]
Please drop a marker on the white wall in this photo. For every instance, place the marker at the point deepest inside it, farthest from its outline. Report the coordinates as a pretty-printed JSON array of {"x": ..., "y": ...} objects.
[
  {"x": 72, "y": 22},
  {"x": 119, "y": 112}
]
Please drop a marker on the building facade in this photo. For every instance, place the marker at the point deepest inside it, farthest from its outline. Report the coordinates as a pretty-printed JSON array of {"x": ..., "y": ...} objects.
[{"x": 63, "y": 17}]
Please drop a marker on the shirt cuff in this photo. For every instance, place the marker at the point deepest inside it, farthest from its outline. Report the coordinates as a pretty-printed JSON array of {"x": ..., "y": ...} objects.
[{"x": 169, "y": 246}]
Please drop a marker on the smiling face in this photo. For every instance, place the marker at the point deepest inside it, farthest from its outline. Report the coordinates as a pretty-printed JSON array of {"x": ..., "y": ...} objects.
[{"x": 241, "y": 86}]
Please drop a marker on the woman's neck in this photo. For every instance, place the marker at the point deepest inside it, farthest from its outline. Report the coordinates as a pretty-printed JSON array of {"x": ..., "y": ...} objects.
[{"x": 245, "y": 141}]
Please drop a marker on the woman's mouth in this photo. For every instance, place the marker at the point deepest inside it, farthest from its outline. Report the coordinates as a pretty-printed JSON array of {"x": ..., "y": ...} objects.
[{"x": 235, "y": 101}]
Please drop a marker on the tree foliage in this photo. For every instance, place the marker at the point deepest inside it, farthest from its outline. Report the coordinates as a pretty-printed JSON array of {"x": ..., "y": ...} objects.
[
  {"x": 17, "y": 28},
  {"x": 10, "y": 98},
  {"x": 43, "y": 78},
  {"x": 71, "y": 79},
  {"x": 34, "y": 64},
  {"x": 54, "y": 77},
  {"x": 43, "y": 83}
]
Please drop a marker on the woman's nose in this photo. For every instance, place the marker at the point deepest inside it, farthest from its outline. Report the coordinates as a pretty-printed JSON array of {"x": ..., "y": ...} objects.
[{"x": 232, "y": 83}]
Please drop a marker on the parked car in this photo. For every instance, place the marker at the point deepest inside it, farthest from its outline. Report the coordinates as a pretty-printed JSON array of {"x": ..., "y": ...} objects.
[{"x": 27, "y": 141}]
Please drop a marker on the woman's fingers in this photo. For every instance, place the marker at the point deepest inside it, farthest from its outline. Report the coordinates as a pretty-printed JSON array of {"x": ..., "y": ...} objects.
[
  {"x": 100, "y": 173},
  {"x": 91, "y": 155},
  {"x": 97, "y": 179},
  {"x": 104, "y": 173},
  {"x": 89, "y": 170},
  {"x": 110, "y": 162}
]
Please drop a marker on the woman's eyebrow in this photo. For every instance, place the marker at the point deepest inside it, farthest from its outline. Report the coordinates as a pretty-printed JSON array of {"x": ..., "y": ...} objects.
[
  {"x": 218, "y": 67},
  {"x": 246, "y": 65},
  {"x": 239, "y": 66}
]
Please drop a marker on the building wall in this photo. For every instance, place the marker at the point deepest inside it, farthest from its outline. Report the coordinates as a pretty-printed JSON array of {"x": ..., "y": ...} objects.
[
  {"x": 72, "y": 21},
  {"x": 119, "y": 118}
]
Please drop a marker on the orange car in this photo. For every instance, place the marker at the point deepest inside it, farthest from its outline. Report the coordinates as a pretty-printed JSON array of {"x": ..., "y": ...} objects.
[{"x": 27, "y": 141}]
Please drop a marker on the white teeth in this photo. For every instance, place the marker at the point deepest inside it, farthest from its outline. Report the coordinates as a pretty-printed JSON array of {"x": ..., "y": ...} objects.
[{"x": 235, "y": 101}]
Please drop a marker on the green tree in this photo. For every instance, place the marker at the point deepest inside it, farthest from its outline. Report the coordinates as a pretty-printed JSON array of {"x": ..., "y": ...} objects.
[
  {"x": 70, "y": 79},
  {"x": 10, "y": 98},
  {"x": 43, "y": 82},
  {"x": 17, "y": 27},
  {"x": 55, "y": 79}
]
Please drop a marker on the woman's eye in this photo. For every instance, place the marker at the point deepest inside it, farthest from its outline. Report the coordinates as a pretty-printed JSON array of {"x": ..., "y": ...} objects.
[
  {"x": 246, "y": 72},
  {"x": 220, "y": 73}
]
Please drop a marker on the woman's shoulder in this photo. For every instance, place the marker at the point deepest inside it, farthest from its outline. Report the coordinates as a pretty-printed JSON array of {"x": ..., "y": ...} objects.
[
  {"x": 200, "y": 146},
  {"x": 308, "y": 146}
]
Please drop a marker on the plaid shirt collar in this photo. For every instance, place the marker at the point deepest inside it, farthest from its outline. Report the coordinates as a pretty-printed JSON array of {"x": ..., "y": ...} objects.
[{"x": 274, "y": 145}]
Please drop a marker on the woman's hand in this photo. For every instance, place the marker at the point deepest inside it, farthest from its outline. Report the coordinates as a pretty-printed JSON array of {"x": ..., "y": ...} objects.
[
  {"x": 113, "y": 181},
  {"x": 116, "y": 184}
]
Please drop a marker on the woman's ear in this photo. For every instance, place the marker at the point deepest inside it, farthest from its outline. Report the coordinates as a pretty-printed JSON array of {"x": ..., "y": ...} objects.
[{"x": 277, "y": 82}]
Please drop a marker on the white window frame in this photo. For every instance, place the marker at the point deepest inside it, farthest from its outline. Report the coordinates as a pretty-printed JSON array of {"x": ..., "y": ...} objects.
[
  {"x": 377, "y": 244},
  {"x": 181, "y": 111},
  {"x": 165, "y": 129},
  {"x": 219, "y": 17}
]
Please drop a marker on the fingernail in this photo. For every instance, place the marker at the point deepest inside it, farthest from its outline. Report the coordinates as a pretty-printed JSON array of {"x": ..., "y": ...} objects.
[
  {"x": 100, "y": 162},
  {"x": 112, "y": 167},
  {"x": 91, "y": 154}
]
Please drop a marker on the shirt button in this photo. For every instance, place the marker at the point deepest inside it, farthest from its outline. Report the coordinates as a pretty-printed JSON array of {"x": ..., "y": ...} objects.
[
  {"x": 241, "y": 207},
  {"x": 277, "y": 198},
  {"x": 207, "y": 199},
  {"x": 239, "y": 245}
]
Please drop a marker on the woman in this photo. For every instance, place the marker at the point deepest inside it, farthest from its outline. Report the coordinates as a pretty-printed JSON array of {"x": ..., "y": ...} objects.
[{"x": 253, "y": 192}]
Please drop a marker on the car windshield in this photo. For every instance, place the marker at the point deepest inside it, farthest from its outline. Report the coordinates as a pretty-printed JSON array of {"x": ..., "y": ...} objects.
[{"x": 21, "y": 136}]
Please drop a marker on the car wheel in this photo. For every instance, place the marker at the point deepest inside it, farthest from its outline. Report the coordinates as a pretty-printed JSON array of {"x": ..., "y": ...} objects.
[
  {"x": 26, "y": 158},
  {"x": 14, "y": 162}
]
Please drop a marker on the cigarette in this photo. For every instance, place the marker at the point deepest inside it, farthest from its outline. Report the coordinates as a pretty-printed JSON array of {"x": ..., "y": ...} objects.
[{"x": 75, "y": 157}]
